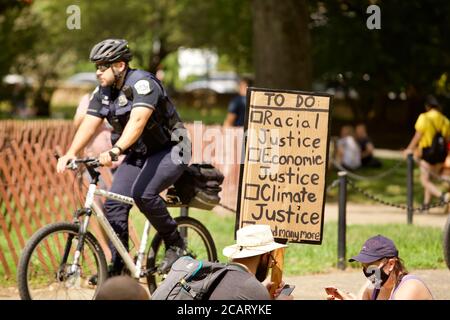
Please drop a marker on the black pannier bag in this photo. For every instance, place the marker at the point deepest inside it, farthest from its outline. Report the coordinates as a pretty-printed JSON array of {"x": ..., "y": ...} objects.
[{"x": 199, "y": 186}]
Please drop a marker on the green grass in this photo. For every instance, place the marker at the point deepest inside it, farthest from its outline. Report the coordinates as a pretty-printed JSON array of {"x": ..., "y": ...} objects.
[
  {"x": 207, "y": 116},
  {"x": 391, "y": 188},
  {"x": 420, "y": 247},
  {"x": 210, "y": 116}
]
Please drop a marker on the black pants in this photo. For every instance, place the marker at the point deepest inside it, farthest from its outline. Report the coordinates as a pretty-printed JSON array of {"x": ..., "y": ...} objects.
[{"x": 143, "y": 178}]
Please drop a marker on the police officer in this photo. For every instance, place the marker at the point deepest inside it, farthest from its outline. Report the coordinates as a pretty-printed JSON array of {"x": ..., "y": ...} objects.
[{"x": 146, "y": 126}]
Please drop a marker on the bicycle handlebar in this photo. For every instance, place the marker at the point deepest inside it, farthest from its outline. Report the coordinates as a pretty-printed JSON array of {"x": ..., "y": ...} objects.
[{"x": 90, "y": 162}]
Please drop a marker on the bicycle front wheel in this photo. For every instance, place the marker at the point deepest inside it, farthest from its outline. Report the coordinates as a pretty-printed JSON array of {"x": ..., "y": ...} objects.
[
  {"x": 46, "y": 270},
  {"x": 199, "y": 243}
]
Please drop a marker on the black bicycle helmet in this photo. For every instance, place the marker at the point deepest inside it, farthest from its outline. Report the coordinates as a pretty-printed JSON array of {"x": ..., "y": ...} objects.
[{"x": 111, "y": 50}]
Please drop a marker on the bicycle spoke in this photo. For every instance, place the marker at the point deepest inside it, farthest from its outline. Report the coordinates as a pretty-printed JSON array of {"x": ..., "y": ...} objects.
[{"x": 61, "y": 281}]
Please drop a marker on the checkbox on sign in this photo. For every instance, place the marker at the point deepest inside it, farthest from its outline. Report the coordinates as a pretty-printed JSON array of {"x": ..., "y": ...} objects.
[
  {"x": 251, "y": 191},
  {"x": 256, "y": 117},
  {"x": 253, "y": 154}
]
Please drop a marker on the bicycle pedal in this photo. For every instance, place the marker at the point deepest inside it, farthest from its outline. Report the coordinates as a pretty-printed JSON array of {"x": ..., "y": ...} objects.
[{"x": 146, "y": 272}]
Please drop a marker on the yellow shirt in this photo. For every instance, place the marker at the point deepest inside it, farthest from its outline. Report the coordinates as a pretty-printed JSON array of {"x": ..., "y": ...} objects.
[{"x": 428, "y": 123}]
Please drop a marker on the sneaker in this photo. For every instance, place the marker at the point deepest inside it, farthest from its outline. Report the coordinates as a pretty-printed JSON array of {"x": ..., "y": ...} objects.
[
  {"x": 445, "y": 197},
  {"x": 111, "y": 273},
  {"x": 172, "y": 255},
  {"x": 425, "y": 209},
  {"x": 445, "y": 200}
]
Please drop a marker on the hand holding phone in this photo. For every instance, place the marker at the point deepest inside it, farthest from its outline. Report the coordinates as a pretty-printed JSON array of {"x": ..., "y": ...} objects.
[
  {"x": 333, "y": 293},
  {"x": 287, "y": 289}
]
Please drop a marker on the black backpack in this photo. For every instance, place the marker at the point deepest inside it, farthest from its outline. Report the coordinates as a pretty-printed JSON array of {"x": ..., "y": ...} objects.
[
  {"x": 199, "y": 186},
  {"x": 190, "y": 279},
  {"x": 437, "y": 152}
]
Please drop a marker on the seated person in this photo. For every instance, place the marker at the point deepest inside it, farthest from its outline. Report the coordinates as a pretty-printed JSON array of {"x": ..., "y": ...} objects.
[
  {"x": 251, "y": 258},
  {"x": 366, "y": 146},
  {"x": 348, "y": 152},
  {"x": 388, "y": 278}
]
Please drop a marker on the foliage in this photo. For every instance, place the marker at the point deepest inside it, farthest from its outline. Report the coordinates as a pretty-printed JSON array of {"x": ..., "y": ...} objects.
[{"x": 408, "y": 54}]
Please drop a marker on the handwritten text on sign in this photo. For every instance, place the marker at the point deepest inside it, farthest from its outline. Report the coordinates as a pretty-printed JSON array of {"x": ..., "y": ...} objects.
[{"x": 283, "y": 180}]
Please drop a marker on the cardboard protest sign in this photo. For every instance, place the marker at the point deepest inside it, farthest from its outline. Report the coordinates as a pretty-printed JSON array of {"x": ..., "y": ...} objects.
[{"x": 282, "y": 178}]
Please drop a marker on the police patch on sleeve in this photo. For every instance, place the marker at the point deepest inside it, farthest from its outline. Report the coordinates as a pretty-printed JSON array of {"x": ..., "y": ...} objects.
[{"x": 142, "y": 87}]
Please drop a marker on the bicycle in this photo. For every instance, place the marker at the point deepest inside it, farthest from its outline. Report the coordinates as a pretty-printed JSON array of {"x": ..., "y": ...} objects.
[{"x": 60, "y": 258}]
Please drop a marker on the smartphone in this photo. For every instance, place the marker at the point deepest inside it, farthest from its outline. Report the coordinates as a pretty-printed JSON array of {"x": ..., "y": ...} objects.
[{"x": 287, "y": 289}]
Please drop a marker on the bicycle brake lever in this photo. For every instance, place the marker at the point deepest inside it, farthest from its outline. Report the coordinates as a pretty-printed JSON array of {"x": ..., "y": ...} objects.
[{"x": 72, "y": 165}]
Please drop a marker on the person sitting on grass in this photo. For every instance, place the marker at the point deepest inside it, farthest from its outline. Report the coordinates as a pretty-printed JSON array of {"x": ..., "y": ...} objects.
[
  {"x": 348, "y": 153},
  {"x": 387, "y": 275},
  {"x": 367, "y": 148}
]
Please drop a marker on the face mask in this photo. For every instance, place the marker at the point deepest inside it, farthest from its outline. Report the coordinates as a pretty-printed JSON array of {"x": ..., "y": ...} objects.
[
  {"x": 376, "y": 275},
  {"x": 262, "y": 270}
]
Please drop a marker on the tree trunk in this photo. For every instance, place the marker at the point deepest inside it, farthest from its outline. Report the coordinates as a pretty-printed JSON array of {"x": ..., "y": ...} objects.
[
  {"x": 156, "y": 57},
  {"x": 282, "y": 44},
  {"x": 41, "y": 101}
]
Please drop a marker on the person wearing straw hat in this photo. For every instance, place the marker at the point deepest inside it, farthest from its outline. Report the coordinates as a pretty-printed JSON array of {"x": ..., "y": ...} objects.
[{"x": 250, "y": 260}]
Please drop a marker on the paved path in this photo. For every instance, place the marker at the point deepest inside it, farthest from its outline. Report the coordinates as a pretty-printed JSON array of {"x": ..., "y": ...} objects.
[{"x": 377, "y": 214}]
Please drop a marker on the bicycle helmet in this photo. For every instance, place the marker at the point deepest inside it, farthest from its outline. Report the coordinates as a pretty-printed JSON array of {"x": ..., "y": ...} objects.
[{"x": 111, "y": 50}]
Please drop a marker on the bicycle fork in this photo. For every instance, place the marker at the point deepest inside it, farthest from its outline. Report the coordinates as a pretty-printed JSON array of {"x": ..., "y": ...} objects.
[{"x": 75, "y": 266}]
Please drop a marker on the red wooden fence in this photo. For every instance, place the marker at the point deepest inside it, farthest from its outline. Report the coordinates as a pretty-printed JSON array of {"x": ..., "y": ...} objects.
[{"x": 33, "y": 195}]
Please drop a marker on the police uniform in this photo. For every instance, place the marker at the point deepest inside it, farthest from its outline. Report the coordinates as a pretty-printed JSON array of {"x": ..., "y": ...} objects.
[{"x": 153, "y": 163}]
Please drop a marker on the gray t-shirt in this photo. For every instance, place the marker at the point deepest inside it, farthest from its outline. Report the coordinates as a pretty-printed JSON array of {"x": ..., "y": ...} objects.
[{"x": 239, "y": 284}]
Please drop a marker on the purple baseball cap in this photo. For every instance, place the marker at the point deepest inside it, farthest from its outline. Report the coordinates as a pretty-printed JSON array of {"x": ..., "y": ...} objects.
[{"x": 376, "y": 248}]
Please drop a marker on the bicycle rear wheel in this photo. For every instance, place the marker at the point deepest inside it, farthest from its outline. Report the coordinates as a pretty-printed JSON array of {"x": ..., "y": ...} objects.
[
  {"x": 199, "y": 243},
  {"x": 45, "y": 267},
  {"x": 446, "y": 242}
]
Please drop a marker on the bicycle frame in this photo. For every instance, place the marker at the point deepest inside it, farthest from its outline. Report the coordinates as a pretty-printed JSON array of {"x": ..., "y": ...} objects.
[{"x": 90, "y": 204}]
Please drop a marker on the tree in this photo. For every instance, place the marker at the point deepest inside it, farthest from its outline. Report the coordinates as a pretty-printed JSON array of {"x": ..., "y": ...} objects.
[
  {"x": 407, "y": 54},
  {"x": 281, "y": 44},
  {"x": 18, "y": 31}
]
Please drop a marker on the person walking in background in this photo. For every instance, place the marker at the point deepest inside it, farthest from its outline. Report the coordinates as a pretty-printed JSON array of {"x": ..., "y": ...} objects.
[
  {"x": 348, "y": 154},
  {"x": 387, "y": 275},
  {"x": 427, "y": 125},
  {"x": 366, "y": 146},
  {"x": 237, "y": 106}
]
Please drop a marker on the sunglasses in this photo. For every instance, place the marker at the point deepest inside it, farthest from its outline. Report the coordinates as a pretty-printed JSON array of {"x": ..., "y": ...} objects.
[{"x": 103, "y": 67}]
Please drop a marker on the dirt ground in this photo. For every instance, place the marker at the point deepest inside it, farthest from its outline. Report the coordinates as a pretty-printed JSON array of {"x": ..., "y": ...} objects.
[{"x": 311, "y": 287}]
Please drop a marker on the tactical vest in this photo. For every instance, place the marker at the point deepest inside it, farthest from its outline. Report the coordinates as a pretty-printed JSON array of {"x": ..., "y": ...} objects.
[{"x": 158, "y": 131}]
